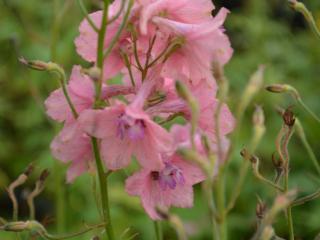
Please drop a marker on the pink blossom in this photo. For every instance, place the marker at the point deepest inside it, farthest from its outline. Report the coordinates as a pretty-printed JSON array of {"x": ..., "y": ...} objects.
[
  {"x": 127, "y": 130},
  {"x": 171, "y": 186},
  {"x": 81, "y": 91},
  {"x": 186, "y": 11},
  {"x": 201, "y": 44},
  {"x": 73, "y": 145},
  {"x": 86, "y": 42}
]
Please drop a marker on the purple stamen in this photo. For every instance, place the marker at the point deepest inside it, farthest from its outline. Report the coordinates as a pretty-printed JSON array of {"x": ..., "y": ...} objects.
[
  {"x": 130, "y": 127},
  {"x": 170, "y": 176}
]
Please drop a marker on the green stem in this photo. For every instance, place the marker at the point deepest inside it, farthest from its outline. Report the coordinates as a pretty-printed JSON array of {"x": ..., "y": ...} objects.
[
  {"x": 103, "y": 190},
  {"x": 220, "y": 191},
  {"x": 86, "y": 15},
  {"x": 305, "y": 199},
  {"x": 117, "y": 35},
  {"x": 208, "y": 187},
  {"x": 289, "y": 211},
  {"x": 158, "y": 230},
  {"x": 300, "y": 7},
  {"x": 285, "y": 151},
  {"x": 308, "y": 110},
  {"x": 60, "y": 196},
  {"x": 100, "y": 49},
  {"x": 306, "y": 144}
]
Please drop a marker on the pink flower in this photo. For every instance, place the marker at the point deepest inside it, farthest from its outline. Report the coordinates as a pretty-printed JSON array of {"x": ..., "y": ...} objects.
[
  {"x": 81, "y": 91},
  {"x": 204, "y": 93},
  {"x": 186, "y": 11},
  {"x": 171, "y": 186},
  {"x": 86, "y": 42},
  {"x": 127, "y": 130},
  {"x": 73, "y": 145},
  {"x": 202, "y": 44}
]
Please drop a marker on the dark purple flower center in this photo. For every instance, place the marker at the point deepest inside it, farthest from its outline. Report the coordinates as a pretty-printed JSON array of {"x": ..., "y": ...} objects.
[
  {"x": 129, "y": 127},
  {"x": 169, "y": 177}
]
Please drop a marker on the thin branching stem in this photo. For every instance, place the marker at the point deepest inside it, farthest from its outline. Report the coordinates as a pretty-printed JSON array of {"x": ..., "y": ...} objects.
[
  {"x": 86, "y": 15},
  {"x": 303, "y": 200},
  {"x": 119, "y": 31}
]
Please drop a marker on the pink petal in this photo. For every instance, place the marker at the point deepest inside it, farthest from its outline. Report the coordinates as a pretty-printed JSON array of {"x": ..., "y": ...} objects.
[
  {"x": 101, "y": 123},
  {"x": 57, "y": 107},
  {"x": 116, "y": 153}
]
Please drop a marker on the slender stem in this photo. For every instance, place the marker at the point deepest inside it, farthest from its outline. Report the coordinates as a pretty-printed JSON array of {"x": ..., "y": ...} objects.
[
  {"x": 289, "y": 211},
  {"x": 100, "y": 49},
  {"x": 308, "y": 110},
  {"x": 286, "y": 179},
  {"x": 116, "y": 16},
  {"x": 300, "y": 7},
  {"x": 239, "y": 184},
  {"x": 220, "y": 191},
  {"x": 103, "y": 190},
  {"x": 120, "y": 29},
  {"x": 306, "y": 144},
  {"x": 208, "y": 187},
  {"x": 59, "y": 14},
  {"x": 158, "y": 230},
  {"x": 86, "y": 15},
  {"x": 103, "y": 184},
  {"x": 305, "y": 199},
  {"x": 60, "y": 198}
]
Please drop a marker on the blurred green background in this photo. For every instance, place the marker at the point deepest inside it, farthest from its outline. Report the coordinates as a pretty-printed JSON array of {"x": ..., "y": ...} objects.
[{"x": 261, "y": 31}]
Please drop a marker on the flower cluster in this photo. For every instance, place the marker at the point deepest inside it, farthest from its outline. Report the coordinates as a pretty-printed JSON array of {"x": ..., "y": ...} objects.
[{"x": 162, "y": 41}]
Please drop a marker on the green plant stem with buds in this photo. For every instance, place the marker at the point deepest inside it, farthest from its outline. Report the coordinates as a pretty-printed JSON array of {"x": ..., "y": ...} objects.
[
  {"x": 300, "y": 7},
  {"x": 305, "y": 199},
  {"x": 284, "y": 149},
  {"x": 38, "y": 228},
  {"x": 303, "y": 138},
  {"x": 285, "y": 88},
  {"x": 103, "y": 184}
]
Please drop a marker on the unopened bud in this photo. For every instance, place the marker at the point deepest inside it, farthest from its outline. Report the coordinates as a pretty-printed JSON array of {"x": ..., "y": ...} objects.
[
  {"x": 173, "y": 47},
  {"x": 44, "y": 175},
  {"x": 94, "y": 73},
  {"x": 288, "y": 117},
  {"x": 245, "y": 154},
  {"x": 277, "y": 163},
  {"x": 254, "y": 159},
  {"x": 29, "y": 170},
  {"x": 252, "y": 88},
  {"x": 256, "y": 80},
  {"x": 278, "y": 88},
  {"x": 22, "y": 226},
  {"x": 16, "y": 226},
  {"x": 35, "y": 64},
  {"x": 44, "y": 66},
  {"x": 292, "y": 3},
  {"x": 283, "y": 88},
  {"x": 261, "y": 209},
  {"x": 258, "y": 116}
]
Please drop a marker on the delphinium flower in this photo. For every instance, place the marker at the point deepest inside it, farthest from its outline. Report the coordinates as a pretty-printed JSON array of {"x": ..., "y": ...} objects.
[{"x": 163, "y": 41}]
